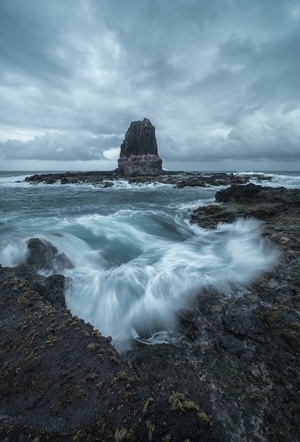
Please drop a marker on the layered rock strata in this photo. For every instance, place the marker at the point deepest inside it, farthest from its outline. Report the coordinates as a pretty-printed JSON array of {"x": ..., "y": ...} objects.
[{"x": 139, "y": 153}]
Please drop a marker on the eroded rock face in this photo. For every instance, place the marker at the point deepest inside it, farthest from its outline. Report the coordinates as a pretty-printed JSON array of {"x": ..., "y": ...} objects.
[{"x": 139, "y": 153}]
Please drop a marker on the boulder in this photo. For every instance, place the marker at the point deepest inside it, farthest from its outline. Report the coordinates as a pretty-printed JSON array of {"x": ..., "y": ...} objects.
[
  {"x": 43, "y": 255},
  {"x": 139, "y": 153}
]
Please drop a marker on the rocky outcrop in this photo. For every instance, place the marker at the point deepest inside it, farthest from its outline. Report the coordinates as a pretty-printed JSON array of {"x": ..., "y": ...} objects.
[
  {"x": 43, "y": 255},
  {"x": 252, "y": 193},
  {"x": 256, "y": 337},
  {"x": 269, "y": 204},
  {"x": 139, "y": 153},
  {"x": 179, "y": 179}
]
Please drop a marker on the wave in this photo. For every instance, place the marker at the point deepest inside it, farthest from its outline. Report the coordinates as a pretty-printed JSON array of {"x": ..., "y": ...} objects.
[
  {"x": 130, "y": 185},
  {"x": 13, "y": 252},
  {"x": 136, "y": 269},
  {"x": 135, "y": 272},
  {"x": 289, "y": 180},
  {"x": 140, "y": 287}
]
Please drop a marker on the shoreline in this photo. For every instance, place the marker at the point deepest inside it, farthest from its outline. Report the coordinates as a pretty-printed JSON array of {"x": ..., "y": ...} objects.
[{"x": 239, "y": 372}]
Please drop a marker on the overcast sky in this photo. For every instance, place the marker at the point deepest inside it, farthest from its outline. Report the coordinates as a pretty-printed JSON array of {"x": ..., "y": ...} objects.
[{"x": 219, "y": 79}]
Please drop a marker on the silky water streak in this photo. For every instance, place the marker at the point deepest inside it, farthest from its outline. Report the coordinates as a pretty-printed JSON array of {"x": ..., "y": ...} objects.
[{"x": 148, "y": 268}]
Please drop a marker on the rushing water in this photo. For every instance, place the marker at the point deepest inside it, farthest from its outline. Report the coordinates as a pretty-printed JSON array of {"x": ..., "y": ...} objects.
[{"x": 137, "y": 261}]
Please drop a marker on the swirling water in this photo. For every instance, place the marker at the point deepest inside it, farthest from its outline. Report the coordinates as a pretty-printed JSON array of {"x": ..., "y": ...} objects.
[{"x": 137, "y": 260}]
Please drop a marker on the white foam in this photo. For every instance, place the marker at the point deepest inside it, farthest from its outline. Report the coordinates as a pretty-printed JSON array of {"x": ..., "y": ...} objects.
[
  {"x": 138, "y": 296},
  {"x": 13, "y": 253},
  {"x": 125, "y": 184}
]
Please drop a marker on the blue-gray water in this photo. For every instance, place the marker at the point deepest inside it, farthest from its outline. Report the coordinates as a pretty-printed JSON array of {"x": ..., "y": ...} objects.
[{"x": 138, "y": 262}]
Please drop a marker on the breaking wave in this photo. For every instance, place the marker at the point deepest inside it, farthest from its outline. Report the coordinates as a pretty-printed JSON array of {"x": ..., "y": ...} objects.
[
  {"x": 137, "y": 263},
  {"x": 134, "y": 272}
]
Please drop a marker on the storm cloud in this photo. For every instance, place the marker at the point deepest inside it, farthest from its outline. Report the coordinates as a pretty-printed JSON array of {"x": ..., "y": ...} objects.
[{"x": 218, "y": 79}]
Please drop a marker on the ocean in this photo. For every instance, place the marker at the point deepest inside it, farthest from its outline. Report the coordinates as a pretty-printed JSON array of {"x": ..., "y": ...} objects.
[{"x": 137, "y": 261}]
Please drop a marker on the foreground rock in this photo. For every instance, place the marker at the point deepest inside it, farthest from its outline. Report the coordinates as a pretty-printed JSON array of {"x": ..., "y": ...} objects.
[
  {"x": 61, "y": 380},
  {"x": 250, "y": 344},
  {"x": 277, "y": 207},
  {"x": 139, "y": 153},
  {"x": 234, "y": 377}
]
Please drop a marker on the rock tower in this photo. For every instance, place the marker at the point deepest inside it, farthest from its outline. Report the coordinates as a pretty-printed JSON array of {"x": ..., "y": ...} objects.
[{"x": 139, "y": 154}]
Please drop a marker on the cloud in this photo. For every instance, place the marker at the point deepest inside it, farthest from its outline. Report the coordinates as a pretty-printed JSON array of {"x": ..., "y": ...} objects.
[
  {"x": 61, "y": 147},
  {"x": 112, "y": 153},
  {"x": 219, "y": 80}
]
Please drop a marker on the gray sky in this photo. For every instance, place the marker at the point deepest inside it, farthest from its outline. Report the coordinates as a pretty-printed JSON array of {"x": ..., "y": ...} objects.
[{"x": 219, "y": 79}]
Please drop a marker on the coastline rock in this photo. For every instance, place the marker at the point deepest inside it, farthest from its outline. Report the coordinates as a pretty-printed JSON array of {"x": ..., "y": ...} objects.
[
  {"x": 252, "y": 193},
  {"x": 139, "y": 153},
  {"x": 242, "y": 354},
  {"x": 58, "y": 374},
  {"x": 258, "y": 333},
  {"x": 61, "y": 380},
  {"x": 268, "y": 204}
]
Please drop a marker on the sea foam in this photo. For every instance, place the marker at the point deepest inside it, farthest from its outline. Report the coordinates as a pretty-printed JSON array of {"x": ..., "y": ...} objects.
[
  {"x": 132, "y": 284},
  {"x": 137, "y": 261}
]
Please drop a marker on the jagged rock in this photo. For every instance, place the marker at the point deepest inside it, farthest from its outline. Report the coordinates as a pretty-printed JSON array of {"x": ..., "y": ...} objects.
[
  {"x": 252, "y": 193},
  {"x": 139, "y": 153},
  {"x": 43, "y": 255}
]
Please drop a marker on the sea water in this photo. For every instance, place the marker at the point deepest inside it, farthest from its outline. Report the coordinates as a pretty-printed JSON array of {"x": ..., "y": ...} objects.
[{"x": 137, "y": 261}]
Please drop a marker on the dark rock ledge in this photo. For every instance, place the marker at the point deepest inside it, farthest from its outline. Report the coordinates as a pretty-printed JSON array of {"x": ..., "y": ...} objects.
[
  {"x": 236, "y": 379},
  {"x": 61, "y": 380},
  {"x": 178, "y": 179}
]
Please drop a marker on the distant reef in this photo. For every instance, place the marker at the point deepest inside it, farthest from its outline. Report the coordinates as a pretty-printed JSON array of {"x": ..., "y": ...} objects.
[{"x": 177, "y": 178}]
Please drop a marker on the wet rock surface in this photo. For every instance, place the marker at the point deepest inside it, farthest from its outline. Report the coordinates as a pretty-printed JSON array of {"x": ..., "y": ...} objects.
[
  {"x": 257, "y": 334},
  {"x": 235, "y": 375},
  {"x": 60, "y": 380}
]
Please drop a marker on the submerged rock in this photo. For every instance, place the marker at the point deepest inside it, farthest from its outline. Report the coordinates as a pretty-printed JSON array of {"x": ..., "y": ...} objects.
[{"x": 139, "y": 153}]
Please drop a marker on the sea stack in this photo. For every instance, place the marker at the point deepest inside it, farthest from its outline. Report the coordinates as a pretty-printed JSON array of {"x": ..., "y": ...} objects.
[{"x": 139, "y": 153}]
